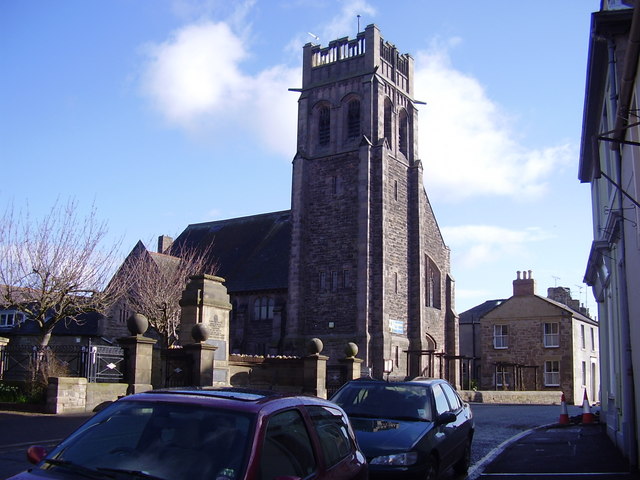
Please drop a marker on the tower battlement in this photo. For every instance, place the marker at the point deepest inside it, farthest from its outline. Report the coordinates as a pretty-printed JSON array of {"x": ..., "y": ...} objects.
[{"x": 366, "y": 54}]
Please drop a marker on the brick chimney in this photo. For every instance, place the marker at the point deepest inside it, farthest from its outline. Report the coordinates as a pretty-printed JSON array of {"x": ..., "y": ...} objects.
[
  {"x": 525, "y": 285},
  {"x": 164, "y": 242}
]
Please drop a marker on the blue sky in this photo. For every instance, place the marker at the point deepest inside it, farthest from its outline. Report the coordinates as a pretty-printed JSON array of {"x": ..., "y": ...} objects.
[{"x": 163, "y": 113}]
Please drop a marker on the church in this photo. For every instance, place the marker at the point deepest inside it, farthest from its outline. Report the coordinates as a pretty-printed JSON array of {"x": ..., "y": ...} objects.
[{"x": 359, "y": 257}]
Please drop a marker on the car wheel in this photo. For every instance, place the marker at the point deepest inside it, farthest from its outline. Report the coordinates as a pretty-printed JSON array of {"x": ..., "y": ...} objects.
[
  {"x": 432, "y": 468},
  {"x": 462, "y": 465}
]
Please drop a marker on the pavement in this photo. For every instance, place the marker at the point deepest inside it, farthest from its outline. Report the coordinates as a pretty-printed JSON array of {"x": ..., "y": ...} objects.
[{"x": 566, "y": 452}]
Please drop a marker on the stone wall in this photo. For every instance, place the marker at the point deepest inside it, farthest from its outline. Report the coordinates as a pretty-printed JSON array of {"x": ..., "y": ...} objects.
[
  {"x": 508, "y": 397},
  {"x": 73, "y": 394}
]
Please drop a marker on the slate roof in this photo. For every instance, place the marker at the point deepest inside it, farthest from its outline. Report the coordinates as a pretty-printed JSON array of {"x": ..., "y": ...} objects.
[
  {"x": 89, "y": 326},
  {"x": 252, "y": 252},
  {"x": 474, "y": 314}
]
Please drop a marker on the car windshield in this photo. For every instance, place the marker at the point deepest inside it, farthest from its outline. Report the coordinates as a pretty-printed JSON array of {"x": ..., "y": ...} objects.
[
  {"x": 385, "y": 400},
  {"x": 168, "y": 441}
]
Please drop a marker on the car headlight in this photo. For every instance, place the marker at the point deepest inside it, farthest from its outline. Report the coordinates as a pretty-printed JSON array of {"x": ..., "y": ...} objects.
[{"x": 405, "y": 459}]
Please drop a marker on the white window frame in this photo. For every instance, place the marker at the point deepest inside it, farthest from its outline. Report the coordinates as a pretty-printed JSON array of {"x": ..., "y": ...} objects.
[
  {"x": 10, "y": 318},
  {"x": 552, "y": 373},
  {"x": 503, "y": 373},
  {"x": 500, "y": 339},
  {"x": 551, "y": 338}
]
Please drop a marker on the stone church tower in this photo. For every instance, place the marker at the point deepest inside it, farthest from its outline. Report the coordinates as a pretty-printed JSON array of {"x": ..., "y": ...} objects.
[{"x": 368, "y": 263}]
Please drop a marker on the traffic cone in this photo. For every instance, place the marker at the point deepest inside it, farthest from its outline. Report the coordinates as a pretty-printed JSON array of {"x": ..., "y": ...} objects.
[
  {"x": 564, "y": 416},
  {"x": 587, "y": 416}
]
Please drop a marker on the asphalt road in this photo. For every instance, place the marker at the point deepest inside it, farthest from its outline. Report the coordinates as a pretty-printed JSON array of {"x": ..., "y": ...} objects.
[{"x": 495, "y": 424}]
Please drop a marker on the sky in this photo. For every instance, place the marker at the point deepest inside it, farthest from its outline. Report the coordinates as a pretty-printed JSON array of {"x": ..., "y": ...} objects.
[{"x": 163, "y": 113}]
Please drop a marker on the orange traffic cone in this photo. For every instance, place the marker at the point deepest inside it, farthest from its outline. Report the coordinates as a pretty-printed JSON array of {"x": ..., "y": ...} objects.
[
  {"x": 564, "y": 416},
  {"x": 587, "y": 416}
]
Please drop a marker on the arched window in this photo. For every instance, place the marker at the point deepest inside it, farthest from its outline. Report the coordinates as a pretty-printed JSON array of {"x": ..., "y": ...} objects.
[
  {"x": 324, "y": 125},
  {"x": 432, "y": 284},
  {"x": 353, "y": 119},
  {"x": 387, "y": 120},
  {"x": 403, "y": 133},
  {"x": 263, "y": 308}
]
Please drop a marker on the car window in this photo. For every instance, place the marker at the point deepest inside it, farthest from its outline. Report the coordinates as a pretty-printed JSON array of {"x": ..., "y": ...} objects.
[
  {"x": 442, "y": 405},
  {"x": 385, "y": 400},
  {"x": 167, "y": 440},
  {"x": 454, "y": 399},
  {"x": 287, "y": 448},
  {"x": 332, "y": 431}
]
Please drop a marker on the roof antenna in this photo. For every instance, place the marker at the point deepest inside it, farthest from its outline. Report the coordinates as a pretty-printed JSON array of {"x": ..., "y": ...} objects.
[{"x": 358, "y": 23}]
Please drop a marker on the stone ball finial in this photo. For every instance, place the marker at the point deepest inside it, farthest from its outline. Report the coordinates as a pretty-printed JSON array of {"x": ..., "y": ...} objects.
[
  {"x": 199, "y": 332},
  {"x": 351, "y": 350},
  {"x": 315, "y": 346},
  {"x": 137, "y": 324}
]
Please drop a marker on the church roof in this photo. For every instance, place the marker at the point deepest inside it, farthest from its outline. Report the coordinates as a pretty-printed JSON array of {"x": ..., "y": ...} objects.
[{"x": 252, "y": 253}]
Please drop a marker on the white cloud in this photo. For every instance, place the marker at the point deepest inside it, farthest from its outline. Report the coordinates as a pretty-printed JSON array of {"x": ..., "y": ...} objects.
[
  {"x": 469, "y": 146},
  {"x": 476, "y": 245},
  {"x": 196, "y": 81}
]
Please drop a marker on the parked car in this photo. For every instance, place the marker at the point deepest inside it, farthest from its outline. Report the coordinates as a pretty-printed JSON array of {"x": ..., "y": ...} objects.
[
  {"x": 412, "y": 429},
  {"x": 212, "y": 434}
]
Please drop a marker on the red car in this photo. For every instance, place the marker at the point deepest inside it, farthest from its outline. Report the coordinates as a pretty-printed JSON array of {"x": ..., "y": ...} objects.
[{"x": 212, "y": 434}]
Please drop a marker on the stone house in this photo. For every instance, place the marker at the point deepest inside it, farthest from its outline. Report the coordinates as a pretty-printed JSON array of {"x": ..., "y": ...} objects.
[
  {"x": 530, "y": 342},
  {"x": 359, "y": 257}
]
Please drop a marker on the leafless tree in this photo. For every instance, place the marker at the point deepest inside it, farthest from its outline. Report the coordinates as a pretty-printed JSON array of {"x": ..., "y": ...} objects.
[
  {"x": 56, "y": 268},
  {"x": 155, "y": 283}
]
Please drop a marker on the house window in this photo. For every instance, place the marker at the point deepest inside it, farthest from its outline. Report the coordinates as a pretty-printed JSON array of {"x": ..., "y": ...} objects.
[
  {"x": 353, "y": 119},
  {"x": 10, "y": 318},
  {"x": 583, "y": 341},
  {"x": 552, "y": 373},
  {"x": 584, "y": 373},
  {"x": 324, "y": 125},
  {"x": 593, "y": 339},
  {"x": 503, "y": 376},
  {"x": 500, "y": 336},
  {"x": 551, "y": 335},
  {"x": 263, "y": 308}
]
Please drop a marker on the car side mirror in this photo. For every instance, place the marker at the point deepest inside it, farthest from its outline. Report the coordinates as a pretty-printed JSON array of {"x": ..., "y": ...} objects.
[
  {"x": 35, "y": 453},
  {"x": 446, "y": 417}
]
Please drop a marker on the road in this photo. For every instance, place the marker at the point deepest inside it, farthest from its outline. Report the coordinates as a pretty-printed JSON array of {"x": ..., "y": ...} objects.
[{"x": 495, "y": 424}]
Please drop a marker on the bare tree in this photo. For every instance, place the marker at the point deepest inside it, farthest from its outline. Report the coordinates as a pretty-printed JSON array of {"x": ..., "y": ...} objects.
[
  {"x": 56, "y": 268},
  {"x": 155, "y": 283}
]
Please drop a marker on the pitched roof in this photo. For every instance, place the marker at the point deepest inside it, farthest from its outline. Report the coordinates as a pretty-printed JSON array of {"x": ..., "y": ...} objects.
[
  {"x": 474, "y": 314},
  {"x": 252, "y": 252},
  {"x": 89, "y": 326}
]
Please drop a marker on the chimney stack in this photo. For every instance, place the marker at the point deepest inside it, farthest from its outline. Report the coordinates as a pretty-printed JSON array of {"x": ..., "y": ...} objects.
[
  {"x": 525, "y": 285},
  {"x": 164, "y": 243}
]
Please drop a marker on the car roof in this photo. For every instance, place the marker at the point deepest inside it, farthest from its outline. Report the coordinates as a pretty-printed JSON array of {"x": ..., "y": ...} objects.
[
  {"x": 241, "y": 399},
  {"x": 425, "y": 381}
]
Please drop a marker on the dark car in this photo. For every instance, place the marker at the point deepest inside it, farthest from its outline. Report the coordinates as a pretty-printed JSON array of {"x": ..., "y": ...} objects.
[
  {"x": 212, "y": 434},
  {"x": 412, "y": 429}
]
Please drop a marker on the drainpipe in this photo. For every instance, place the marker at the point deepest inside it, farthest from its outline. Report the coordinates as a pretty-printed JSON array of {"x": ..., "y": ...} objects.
[{"x": 628, "y": 396}]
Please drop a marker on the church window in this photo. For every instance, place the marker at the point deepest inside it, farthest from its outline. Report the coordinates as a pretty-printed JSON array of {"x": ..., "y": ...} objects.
[
  {"x": 324, "y": 125},
  {"x": 432, "y": 284},
  {"x": 334, "y": 185},
  {"x": 334, "y": 281},
  {"x": 353, "y": 119},
  {"x": 323, "y": 281},
  {"x": 403, "y": 133},
  {"x": 387, "y": 121},
  {"x": 263, "y": 308},
  {"x": 346, "y": 279},
  {"x": 395, "y": 190}
]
